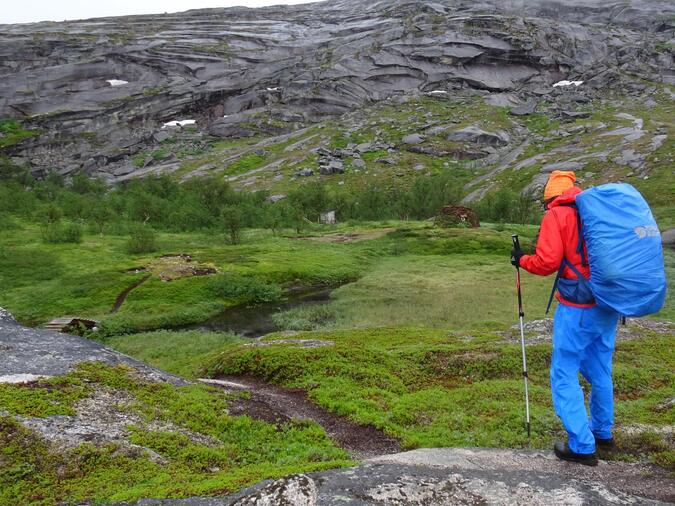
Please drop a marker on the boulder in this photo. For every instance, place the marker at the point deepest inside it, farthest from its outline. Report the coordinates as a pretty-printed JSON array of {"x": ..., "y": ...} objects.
[
  {"x": 574, "y": 114},
  {"x": 524, "y": 109},
  {"x": 160, "y": 136},
  {"x": 668, "y": 237},
  {"x": 304, "y": 173},
  {"x": 364, "y": 147},
  {"x": 475, "y": 135},
  {"x": 336, "y": 166},
  {"x": 413, "y": 139},
  {"x": 631, "y": 158},
  {"x": 387, "y": 160},
  {"x": 574, "y": 166}
]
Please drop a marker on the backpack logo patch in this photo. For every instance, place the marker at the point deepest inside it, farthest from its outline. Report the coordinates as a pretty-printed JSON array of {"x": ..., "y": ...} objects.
[{"x": 647, "y": 231}]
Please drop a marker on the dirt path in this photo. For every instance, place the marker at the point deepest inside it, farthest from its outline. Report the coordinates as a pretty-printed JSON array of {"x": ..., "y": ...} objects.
[
  {"x": 123, "y": 296},
  {"x": 278, "y": 405}
]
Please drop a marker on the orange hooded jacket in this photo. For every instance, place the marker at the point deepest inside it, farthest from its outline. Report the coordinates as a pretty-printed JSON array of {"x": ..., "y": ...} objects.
[{"x": 558, "y": 239}]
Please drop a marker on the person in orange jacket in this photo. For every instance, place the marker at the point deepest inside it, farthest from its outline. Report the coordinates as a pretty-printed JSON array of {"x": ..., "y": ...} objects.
[{"x": 583, "y": 333}]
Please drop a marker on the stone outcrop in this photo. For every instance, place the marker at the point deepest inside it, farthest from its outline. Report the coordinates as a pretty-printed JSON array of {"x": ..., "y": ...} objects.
[
  {"x": 100, "y": 91},
  {"x": 455, "y": 476},
  {"x": 38, "y": 353}
]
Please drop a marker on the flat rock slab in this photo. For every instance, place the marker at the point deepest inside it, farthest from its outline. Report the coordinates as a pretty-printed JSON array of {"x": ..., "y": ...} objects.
[
  {"x": 28, "y": 351},
  {"x": 453, "y": 476}
]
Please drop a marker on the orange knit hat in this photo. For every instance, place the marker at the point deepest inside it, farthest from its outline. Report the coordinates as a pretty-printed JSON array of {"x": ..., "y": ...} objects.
[{"x": 558, "y": 182}]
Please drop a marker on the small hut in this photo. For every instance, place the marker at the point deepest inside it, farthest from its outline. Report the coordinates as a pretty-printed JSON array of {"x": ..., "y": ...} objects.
[
  {"x": 71, "y": 324},
  {"x": 328, "y": 218}
]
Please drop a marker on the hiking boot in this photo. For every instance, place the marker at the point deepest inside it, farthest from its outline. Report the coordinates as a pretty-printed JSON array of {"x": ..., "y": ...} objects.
[
  {"x": 563, "y": 452},
  {"x": 605, "y": 445}
]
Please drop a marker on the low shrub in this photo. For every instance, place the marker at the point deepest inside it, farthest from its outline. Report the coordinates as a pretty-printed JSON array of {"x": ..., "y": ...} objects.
[
  {"x": 59, "y": 233},
  {"x": 305, "y": 318},
  {"x": 142, "y": 239},
  {"x": 245, "y": 288}
]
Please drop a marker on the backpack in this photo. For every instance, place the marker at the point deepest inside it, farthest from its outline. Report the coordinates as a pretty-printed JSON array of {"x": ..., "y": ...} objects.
[{"x": 624, "y": 251}]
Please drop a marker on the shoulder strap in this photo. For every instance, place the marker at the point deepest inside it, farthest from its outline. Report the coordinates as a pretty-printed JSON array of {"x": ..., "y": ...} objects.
[
  {"x": 580, "y": 277},
  {"x": 555, "y": 284}
]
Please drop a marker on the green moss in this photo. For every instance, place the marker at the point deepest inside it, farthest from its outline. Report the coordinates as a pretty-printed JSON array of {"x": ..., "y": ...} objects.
[
  {"x": 11, "y": 133},
  {"x": 246, "y": 163},
  {"x": 166, "y": 350},
  {"x": 242, "y": 451},
  {"x": 47, "y": 397},
  {"x": 435, "y": 388},
  {"x": 540, "y": 123},
  {"x": 153, "y": 90}
]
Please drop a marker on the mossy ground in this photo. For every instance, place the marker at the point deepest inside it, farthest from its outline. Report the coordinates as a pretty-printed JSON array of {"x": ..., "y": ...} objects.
[
  {"x": 43, "y": 281},
  {"x": 242, "y": 451},
  {"x": 433, "y": 388}
]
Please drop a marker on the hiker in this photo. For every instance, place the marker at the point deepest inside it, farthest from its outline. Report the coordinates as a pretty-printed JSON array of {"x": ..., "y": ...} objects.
[{"x": 583, "y": 332}]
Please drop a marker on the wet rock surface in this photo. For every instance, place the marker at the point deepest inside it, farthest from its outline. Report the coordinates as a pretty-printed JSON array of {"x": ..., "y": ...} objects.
[
  {"x": 42, "y": 352},
  {"x": 101, "y": 91}
]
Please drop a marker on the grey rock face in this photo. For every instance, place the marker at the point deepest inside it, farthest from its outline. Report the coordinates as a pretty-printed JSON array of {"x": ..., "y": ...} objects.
[
  {"x": 297, "y": 490},
  {"x": 239, "y": 72},
  {"x": 42, "y": 352},
  {"x": 668, "y": 237},
  {"x": 455, "y": 476},
  {"x": 524, "y": 109},
  {"x": 573, "y": 166}
]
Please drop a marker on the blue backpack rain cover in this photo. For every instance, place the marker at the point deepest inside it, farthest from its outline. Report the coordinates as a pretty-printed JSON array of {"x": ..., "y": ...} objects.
[{"x": 624, "y": 249}]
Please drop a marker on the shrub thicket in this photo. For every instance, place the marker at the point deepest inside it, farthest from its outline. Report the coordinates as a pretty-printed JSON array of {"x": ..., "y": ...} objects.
[
  {"x": 506, "y": 206},
  {"x": 248, "y": 288},
  {"x": 142, "y": 239},
  {"x": 210, "y": 204}
]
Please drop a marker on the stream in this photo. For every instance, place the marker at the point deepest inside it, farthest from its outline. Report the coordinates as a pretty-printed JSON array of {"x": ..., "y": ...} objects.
[{"x": 256, "y": 320}]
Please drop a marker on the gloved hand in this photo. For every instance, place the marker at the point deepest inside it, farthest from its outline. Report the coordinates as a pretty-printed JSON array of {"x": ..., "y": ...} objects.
[{"x": 516, "y": 254}]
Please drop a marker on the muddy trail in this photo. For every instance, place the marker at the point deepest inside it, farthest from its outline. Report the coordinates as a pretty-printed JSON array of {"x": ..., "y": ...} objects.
[
  {"x": 123, "y": 296},
  {"x": 277, "y": 405}
]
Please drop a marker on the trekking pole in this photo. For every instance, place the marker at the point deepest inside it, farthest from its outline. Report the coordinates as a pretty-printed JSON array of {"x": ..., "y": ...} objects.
[{"x": 521, "y": 316}]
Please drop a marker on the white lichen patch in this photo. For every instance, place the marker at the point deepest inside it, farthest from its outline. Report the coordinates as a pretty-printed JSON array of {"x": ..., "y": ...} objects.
[
  {"x": 298, "y": 490},
  {"x": 21, "y": 378},
  {"x": 105, "y": 417}
]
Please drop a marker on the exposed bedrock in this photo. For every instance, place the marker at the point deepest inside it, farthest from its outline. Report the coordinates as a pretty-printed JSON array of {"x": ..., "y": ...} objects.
[{"x": 99, "y": 90}]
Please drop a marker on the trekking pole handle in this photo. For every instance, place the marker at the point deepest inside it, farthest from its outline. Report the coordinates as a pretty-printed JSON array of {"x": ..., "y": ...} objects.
[{"x": 516, "y": 241}]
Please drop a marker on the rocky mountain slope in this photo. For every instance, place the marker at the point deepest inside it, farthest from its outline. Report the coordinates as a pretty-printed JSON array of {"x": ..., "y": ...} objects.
[{"x": 95, "y": 95}]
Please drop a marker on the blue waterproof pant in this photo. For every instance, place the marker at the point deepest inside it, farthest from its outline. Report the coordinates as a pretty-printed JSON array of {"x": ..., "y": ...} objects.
[{"x": 583, "y": 341}]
